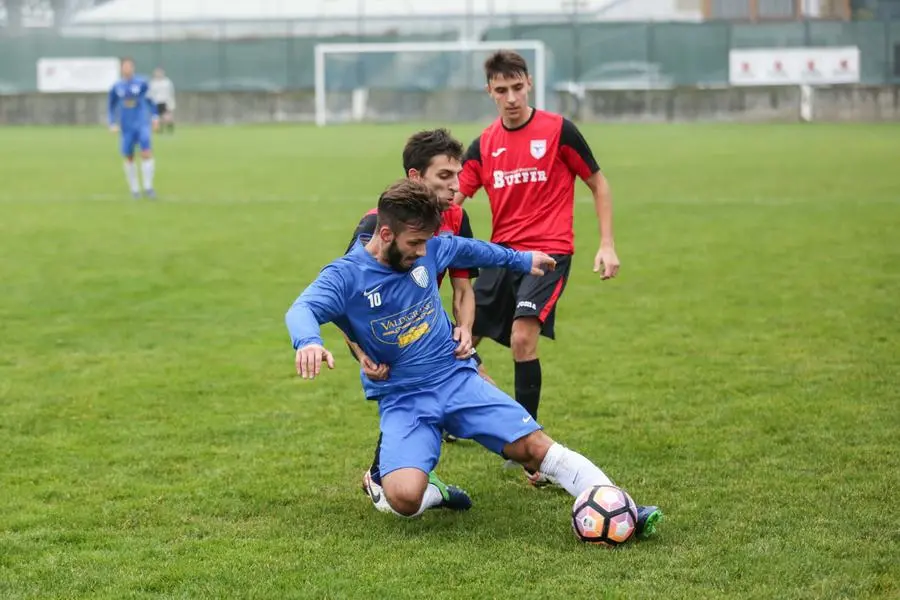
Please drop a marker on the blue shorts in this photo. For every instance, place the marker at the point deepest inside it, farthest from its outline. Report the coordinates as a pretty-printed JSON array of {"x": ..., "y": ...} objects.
[
  {"x": 465, "y": 405},
  {"x": 132, "y": 137}
]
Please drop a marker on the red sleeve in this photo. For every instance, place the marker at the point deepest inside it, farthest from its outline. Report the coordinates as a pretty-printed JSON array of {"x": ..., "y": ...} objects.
[
  {"x": 575, "y": 151},
  {"x": 464, "y": 229},
  {"x": 470, "y": 177}
]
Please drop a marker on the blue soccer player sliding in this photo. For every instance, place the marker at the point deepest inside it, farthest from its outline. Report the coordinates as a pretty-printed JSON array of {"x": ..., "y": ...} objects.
[
  {"x": 384, "y": 296},
  {"x": 131, "y": 114}
]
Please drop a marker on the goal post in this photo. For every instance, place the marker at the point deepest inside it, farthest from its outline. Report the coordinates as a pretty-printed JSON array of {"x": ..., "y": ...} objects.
[{"x": 405, "y": 80}]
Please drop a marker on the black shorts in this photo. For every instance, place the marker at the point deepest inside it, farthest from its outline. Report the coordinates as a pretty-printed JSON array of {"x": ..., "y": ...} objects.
[
  {"x": 161, "y": 108},
  {"x": 502, "y": 296}
]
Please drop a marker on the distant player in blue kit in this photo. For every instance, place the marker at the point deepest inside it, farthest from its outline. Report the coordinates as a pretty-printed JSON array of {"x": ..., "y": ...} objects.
[
  {"x": 384, "y": 297},
  {"x": 132, "y": 113}
]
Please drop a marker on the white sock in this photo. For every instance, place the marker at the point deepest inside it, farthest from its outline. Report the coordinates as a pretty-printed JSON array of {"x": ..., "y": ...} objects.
[
  {"x": 574, "y": 472},
  {"x": 131, "y": 176},
  {"x": 432, "y": 497},
  {"x": 148, "y": 167}
]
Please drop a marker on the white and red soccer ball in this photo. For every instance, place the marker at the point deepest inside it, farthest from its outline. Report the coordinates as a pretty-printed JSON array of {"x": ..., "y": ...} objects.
[{"x": 604, "y": 515}]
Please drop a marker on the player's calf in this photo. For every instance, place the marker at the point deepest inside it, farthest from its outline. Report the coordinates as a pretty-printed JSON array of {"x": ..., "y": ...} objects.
[
  {"x": 148, "y": 169},
  {"x": 537, "y": 452}
]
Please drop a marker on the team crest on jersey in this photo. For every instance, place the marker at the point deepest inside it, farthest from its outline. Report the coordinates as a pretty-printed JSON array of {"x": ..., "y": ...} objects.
[
  {"x": 538, "y": 148},
  {"x": 420, "y": 276}
]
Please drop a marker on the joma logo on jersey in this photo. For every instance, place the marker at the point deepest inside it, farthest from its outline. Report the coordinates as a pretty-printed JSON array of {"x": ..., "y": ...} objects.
[{"x": 505, "y": 179}]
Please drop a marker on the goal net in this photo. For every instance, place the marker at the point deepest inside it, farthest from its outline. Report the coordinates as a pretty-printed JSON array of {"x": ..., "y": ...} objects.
[{"x": 415, "y": 81}]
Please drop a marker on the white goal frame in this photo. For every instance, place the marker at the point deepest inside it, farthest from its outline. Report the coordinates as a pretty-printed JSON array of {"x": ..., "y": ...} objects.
[{"x": 539, "y": 71}]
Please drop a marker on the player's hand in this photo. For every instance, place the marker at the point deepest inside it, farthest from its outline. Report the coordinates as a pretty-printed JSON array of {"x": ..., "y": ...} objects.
[
  {"x": 155, "y": 125},
  {"x": 309, "y": 360},
  {"x": 464, "y": 346},
  {"x": 541, "y": 263},
  {"x": 114, "y": 128},
  {"x": 606, "y": 260},
  {"x": 373, "y": 370}
]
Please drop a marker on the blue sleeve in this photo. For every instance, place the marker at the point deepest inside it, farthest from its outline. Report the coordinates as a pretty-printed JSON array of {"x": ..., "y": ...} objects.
[
  {"x": 322, "y": 302},
  {"x": 464, "y": 253},
  {"x": 111, "y": 105}
]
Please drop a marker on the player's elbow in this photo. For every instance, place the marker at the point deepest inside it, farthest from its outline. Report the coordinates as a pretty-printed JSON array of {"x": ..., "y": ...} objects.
[{"x": 598, "y": 184}]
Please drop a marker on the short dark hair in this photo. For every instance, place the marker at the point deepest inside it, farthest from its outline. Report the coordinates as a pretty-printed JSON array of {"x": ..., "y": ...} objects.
[
  {"x": 505, "y": 63},
  {"x": 423, "y": 146},
  {"x": 409, "y": 204}
]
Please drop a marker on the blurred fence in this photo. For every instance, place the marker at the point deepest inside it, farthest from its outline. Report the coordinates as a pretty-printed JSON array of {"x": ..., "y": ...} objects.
[{"x": 278, "y": 56}]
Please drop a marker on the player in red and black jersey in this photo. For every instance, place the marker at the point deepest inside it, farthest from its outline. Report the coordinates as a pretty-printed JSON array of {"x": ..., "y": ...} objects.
[{"x": 527, "y": 162}]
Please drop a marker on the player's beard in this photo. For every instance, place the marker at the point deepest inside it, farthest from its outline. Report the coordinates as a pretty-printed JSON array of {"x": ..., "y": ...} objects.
[{"x": 395, "y": 258}]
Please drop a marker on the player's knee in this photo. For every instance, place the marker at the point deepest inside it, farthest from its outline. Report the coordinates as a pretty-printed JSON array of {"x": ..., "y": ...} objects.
[
  {"x": 529, "y": 450},
  {"x": 536, "y": 446},
  {"x": 523, "y": 339}
]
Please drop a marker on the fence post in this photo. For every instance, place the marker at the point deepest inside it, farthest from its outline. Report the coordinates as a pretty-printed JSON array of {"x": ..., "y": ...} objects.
[
  {"x": 289, "y": 59},
  {"x": 576, "y": 47},
  {"x": 222, "y": 67},
  {"x": 889, "y": 74}
]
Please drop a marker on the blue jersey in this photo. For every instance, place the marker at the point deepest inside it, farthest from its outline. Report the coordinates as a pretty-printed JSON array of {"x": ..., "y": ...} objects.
[
  {"x": 396, "y": 317},
  {"x": 129, "y": 105}
]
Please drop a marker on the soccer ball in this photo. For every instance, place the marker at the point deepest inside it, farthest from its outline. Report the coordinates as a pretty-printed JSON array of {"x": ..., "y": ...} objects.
[{"x": 604, "y": 515}]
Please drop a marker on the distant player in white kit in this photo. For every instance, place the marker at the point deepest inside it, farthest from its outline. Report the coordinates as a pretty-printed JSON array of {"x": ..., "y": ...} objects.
[{"x": 162, "y": 92}]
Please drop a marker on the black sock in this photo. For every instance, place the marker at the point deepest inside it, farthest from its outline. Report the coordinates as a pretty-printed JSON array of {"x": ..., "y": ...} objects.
[
  {"x": 374, "y": 471},
  {"x": 528, "y": 385}
]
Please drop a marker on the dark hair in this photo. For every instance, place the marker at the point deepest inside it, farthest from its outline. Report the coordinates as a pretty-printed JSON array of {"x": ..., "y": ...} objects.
[
  {"x": 409, "y": 204},
  {"x": 425, "y": 145},
  {"x": 505, "y": 63}
]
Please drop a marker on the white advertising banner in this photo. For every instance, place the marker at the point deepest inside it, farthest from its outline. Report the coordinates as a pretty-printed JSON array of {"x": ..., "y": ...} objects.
[
  {"x": 794, "y": 66},
  {"x": 76, "y": 74}
]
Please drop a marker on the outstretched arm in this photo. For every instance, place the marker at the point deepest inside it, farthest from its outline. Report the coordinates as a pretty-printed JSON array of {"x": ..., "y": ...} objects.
[
  {"x": 323, "y": 301},
  {"x": 462, "y": 253}
]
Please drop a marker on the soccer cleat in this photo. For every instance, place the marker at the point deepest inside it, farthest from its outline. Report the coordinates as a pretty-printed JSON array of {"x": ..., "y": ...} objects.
[
  {"x": 454, "y": 498},
  {"x": 136, "y": 195},
  {"x": 375, "y": 493},
  {"x": 150, "y": 194},
  {"x": 648, "y": 518},
  {"x": 450, "y": 438}
]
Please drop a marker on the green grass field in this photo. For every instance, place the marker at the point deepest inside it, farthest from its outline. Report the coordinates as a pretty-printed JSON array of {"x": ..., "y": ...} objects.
[{"x": 742, "y": 372}]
